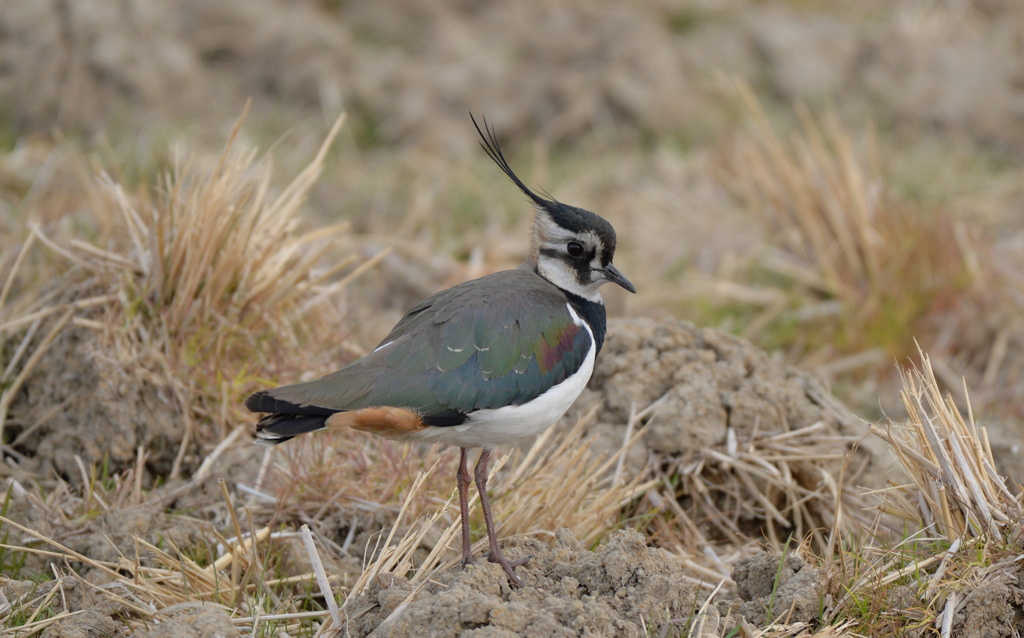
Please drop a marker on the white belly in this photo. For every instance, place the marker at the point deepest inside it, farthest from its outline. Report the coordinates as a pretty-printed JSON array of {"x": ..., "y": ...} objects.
[{"x": 500, "y": 426}]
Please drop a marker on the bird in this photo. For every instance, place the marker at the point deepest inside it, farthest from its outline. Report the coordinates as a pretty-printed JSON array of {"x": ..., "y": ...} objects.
[{"x": 485, "y": 363}]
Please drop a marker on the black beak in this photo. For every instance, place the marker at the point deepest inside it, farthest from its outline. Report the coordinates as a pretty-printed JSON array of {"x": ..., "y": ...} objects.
[{"x": 616, "y": 277}]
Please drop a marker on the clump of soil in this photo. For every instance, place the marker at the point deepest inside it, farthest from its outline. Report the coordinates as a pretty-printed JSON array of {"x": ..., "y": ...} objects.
[
  {"x": 198, "y": 621},
  {"x": 708, "y": 382},
  {"x": 773, "y": 586},
  {"x": 110, "y": 536},
  {"x": 186, "y": 620},
  {"x": 992, "y": 609},
  {"x": 718, "y": 399},
  {"x": 567, "y": 591},
  {"x": 89, "y": 406},
  {"x": 91, "y": 623}
]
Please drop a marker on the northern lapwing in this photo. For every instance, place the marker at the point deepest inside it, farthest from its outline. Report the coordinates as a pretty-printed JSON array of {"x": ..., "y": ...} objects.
[{"x": 485, "y": 363}]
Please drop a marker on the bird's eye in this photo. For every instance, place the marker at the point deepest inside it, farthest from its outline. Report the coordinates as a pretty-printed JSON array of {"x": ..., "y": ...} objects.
[{"x": 574, "y": 249}]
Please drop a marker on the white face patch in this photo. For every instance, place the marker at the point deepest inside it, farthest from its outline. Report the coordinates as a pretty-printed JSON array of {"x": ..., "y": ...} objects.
[
  {"x": 555, "y": 264},
  {"x": 564, "y": 276},
  {"x": 548, "y": 233}
]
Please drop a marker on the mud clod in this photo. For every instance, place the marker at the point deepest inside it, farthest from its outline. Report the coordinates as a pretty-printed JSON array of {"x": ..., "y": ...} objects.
[
  {"x": 91, "y": 623},
  {"x": 775, "y": 587},
  {"x": 211, "y": 622},
  {"x": 708, "y": 381},
  {"x": 568, "y": 591},
  {"x": 99, "y": 412},
  {"x": 992, "y": 610},
  {"x": 113, "y": 534},
  {"x": 714, "y": 396}
]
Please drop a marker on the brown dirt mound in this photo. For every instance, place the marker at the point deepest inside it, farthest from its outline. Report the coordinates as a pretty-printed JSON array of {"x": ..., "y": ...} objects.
[
  {"x": 773, "y": 587},
  {"x": 993, "y": 608},
  {"x": 195, "y": 622},
  {"x": 108, "y": 536},
  {"x": 724, "y": 407},
  {"x": 91, "y": 623},
  {"x": 89, "y": 406},
  {"x": 708, "y": 382},
  {"x": 622, "y": 589}
]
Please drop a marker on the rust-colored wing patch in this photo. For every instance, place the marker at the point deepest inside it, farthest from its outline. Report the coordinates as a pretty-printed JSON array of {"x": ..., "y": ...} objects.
[
  {"x": 548, "y": 356},
  {"x": 385, "y": 421}
]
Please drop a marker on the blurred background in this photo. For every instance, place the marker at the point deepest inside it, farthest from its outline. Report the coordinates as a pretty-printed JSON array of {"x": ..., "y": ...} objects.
[
  {"x": 840, "y": 183},
  {"x": 831, "y": 180}
]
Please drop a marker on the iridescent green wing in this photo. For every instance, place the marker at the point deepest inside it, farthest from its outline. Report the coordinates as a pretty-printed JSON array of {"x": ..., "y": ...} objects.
[{"x": 501, "y": 340}]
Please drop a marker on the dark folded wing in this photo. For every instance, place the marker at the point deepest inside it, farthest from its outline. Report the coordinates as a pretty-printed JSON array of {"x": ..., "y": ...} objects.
[{"x": 496, "y": 341}]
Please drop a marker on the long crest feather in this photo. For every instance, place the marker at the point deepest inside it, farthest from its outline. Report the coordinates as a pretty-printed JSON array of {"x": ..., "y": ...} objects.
[{"x": 489, "y": 142}]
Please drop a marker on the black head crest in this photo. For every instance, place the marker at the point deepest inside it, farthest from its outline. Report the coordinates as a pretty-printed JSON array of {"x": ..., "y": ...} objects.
[
  {"x": 489, "y": 142},
  {"x": 569, "y": 217}
]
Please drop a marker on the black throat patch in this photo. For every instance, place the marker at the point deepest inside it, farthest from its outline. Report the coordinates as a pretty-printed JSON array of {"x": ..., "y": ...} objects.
[{"x": 593, "y": 313}]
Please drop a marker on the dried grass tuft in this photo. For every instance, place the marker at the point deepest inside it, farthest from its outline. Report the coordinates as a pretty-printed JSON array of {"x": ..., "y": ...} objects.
[
  {"x": 175, "y": 286},
  {"x": 757, "y": 487},
  {"x": 150, "y": 583},
  {"x": 852, "y": 273},
  {"x": 211, "y": 251},
  {"x": 962, "y": 527},
  {"x": 209, "y": 262},
  {"x": 955, "y": 490},
  {"x": 822, "y": 194}
]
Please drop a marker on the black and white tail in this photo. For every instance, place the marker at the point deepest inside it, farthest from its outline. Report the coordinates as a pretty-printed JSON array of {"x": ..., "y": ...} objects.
[{"x": 285, "y": 420}]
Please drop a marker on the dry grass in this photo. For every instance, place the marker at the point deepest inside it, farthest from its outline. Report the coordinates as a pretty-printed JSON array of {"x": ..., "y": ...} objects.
[
  {"x": 177, "y": 285},
  {"x": 852, "y": 273},
  {"x": 174, "y": 285},
  {"x": 956, "y": 491},
  {"x": 151, "y": 584},
  {"x": 755, "y": 492},
  {"x": 802, "y": 630},
  {"x": 962, "y": 526}
]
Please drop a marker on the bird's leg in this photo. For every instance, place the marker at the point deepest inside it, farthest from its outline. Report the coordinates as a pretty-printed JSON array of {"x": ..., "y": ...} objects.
[
  {"x": 462, "y": 479},
  {"x": 492, "y": 536}
]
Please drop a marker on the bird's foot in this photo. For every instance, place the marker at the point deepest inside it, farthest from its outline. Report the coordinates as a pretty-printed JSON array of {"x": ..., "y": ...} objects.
[
  {"x": 514, "y": 563},
  {"x": 509, "y": 566}
]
